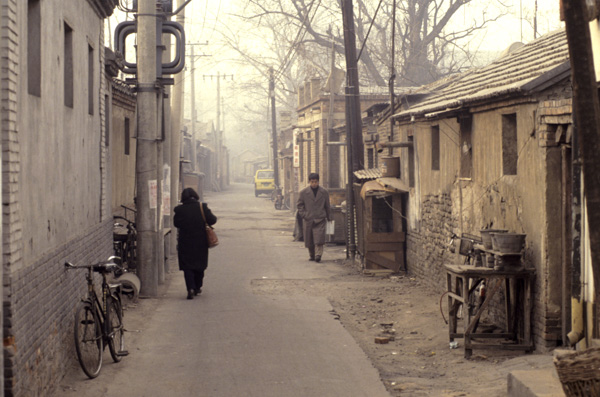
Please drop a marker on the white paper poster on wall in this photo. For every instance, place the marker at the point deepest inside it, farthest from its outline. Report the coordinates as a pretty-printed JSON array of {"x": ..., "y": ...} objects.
[{"x": 153, "y": 192}]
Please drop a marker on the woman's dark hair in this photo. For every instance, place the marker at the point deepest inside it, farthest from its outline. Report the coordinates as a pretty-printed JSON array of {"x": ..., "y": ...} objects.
[{"x": 189, "y": 193}]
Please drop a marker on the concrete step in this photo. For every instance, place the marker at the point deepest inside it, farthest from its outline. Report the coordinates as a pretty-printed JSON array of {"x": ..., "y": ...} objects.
[{"x": 534, "y": 383}]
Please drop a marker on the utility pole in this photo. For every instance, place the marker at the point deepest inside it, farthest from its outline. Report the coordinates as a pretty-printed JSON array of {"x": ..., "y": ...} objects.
[
  {"x": 354, "y": 142},
  {"x": 273, "y": 126},
  {"x": 218, "y": 132},
  {"x": 193, "y": 110},
  {"x": 392, "y": 77},
  {"x": 586, "y": 106},
  {"x": 176, "y": 119},
  {"x": 146, "y": 169},
  {"x": 330, "y": 123}
]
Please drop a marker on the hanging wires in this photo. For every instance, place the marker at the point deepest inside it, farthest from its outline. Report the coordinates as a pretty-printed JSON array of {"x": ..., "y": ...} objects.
[
  {"x": 302, "y": 30},
  {"x": 369, "y": 31}
]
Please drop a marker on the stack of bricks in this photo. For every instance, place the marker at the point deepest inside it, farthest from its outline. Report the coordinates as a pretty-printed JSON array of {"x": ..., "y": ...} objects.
[{"x": 552, "y": 117}]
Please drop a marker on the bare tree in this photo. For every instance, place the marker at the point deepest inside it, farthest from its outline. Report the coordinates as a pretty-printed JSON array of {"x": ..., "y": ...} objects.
[{"x": 425, "y": 38}]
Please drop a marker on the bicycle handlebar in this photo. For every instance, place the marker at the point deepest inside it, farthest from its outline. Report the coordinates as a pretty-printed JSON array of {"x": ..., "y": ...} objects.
[
  {"x": 125, "y": 219},
  {"x": 105, "y": 266},
  {"x": 130, "y": 209}
]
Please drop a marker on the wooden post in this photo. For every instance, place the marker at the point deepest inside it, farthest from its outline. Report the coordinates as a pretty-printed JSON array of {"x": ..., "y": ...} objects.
[{"x": 587, "y": 119}]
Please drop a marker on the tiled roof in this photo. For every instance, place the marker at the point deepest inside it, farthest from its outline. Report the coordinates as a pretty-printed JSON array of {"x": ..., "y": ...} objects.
[{"x": 523, "y": 70}]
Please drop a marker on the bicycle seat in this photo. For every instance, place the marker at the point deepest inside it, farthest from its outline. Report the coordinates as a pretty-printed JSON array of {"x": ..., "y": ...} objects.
[{"x": 105, "y": 267}]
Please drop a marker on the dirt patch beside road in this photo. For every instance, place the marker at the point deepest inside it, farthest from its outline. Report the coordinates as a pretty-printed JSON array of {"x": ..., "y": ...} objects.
[{"x": 417, "y": 361}]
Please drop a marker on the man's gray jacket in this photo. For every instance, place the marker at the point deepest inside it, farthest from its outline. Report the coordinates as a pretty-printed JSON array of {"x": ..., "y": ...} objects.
[{"x": 315, "y": 211}]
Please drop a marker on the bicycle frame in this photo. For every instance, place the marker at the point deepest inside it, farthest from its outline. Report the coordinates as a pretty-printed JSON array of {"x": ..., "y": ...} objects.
[
  {"x": 103, "y": 315},
  {"x": 125, "y": 244},
  {"x": 99, "y": 306}
]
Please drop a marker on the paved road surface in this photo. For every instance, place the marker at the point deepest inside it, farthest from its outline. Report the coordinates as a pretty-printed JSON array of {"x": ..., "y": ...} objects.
[{"x": 231, "y": 342}]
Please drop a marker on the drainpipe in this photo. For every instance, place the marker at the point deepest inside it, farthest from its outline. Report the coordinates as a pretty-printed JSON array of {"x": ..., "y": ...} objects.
[{"x": 577, "y": 312}]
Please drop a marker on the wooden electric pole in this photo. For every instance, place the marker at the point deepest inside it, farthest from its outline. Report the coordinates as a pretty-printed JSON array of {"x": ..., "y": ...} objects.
[
  {"x": 354, "y": 140},
  {"x": 587, "y": 119},
  {"x": 273, "y": 126}
]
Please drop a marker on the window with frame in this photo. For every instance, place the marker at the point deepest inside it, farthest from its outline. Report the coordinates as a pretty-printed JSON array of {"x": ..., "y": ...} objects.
[
  {"x": 34, "y": 48},
  {"x": 309, "y": 153},
  {"x": 510, "y": 155},
  {"x": 90, "y": 80},
  {"x": 107, "y": 117},
  {"x": 127, "y": 136},
  {"x": 466, "y": 152},
  {"x": 411, "y": 162},
  {"x": 317, "y": 152},
  {"x": 370, "y": 161},
  {"x": 68, "y": 66},
  {"x": 435, "y": 148}
]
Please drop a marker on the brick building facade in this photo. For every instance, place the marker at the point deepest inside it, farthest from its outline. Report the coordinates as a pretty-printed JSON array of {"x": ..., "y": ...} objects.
[
  {"x": 55, "y": 179},
  {"x": 487, "y": 152}
]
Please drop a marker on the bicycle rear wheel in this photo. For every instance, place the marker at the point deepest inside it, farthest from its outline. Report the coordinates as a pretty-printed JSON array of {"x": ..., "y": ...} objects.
[
  {"x": 116, "y": 340},
  {"x": 88, "y": 340}
]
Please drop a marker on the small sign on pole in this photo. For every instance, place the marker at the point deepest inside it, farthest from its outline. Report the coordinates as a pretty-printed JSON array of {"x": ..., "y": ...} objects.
[
  {"x": 153, "y": 192},
  {"x": 296, "y": 153}
]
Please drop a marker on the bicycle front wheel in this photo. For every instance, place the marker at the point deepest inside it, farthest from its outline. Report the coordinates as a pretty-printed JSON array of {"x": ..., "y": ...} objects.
[
  {"x": 88, "y": 340},
  {"x": 116, "y": 340}
]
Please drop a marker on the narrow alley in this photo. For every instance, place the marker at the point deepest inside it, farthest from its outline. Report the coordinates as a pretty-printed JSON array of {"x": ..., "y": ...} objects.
[
  {"x": 230, "y": 341},
  {"x": 267, "y": 324}
]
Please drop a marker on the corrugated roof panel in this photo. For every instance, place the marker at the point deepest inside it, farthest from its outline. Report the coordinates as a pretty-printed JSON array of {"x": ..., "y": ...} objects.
[{"x": 366, "y": 175}]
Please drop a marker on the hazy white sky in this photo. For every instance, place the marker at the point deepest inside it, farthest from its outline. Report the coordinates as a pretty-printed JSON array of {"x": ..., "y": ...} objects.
[
  {"x": 518, "y": 24},
  {"x": 204, "y": 19}
]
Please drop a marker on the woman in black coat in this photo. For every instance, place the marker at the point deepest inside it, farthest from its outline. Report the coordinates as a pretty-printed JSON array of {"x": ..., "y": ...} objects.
[{"x": 192, "y": 247}]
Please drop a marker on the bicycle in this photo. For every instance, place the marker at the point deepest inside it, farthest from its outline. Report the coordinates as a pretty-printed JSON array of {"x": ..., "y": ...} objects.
[
  {"x": 98, "y": 321},
  {"x": 125, "y": 243}
]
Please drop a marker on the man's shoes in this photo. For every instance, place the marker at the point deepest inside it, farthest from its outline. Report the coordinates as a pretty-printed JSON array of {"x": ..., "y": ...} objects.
[
  {"x": 198, "y": 291},
  {"x": 312, "y": 258},
  {"x": 318, "y": 258},
  {"x": 191, "y": 294}
]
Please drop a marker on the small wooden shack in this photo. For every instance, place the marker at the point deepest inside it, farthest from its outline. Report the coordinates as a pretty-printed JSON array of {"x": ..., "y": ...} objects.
[{"x": 381, "y": 231}]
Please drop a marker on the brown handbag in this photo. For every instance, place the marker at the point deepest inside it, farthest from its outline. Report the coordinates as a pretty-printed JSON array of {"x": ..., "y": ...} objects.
[{"x": 211, "y": 235}]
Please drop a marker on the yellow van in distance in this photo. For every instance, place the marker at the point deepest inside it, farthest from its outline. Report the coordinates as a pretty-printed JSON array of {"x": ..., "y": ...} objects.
[{"x": 264, "y": 182}]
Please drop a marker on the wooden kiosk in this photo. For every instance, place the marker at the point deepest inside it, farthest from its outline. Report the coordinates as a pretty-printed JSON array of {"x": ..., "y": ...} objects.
[{"x": 381, "y": 219}]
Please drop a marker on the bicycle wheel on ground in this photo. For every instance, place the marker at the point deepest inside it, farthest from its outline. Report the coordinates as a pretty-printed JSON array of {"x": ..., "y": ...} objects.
[
  {"x": 88, "y": 340},
  {"x": 116, "y": 340}
]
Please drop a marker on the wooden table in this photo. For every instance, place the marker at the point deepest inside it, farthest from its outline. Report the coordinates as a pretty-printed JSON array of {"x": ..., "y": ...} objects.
[{"x": 517, "y": 311}]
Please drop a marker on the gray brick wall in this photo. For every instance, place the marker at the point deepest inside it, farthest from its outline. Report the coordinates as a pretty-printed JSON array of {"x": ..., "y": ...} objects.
[
  {"x": 41, "y": 302},
  {"x": 427, "y": 249},
  {"x": 427, "y": 252},
  {"x": 9, "y": 59}
]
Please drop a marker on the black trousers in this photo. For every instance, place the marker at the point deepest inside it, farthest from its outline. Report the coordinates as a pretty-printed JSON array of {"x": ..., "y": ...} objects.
[{"x": 193, "y": 279}]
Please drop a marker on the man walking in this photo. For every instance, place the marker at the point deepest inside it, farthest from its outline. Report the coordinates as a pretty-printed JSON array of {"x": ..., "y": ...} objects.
[{"x": 313, "y": 206}]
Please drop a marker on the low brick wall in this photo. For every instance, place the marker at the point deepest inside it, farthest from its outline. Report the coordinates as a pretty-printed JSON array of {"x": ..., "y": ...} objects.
[
  {"x": 427, "y": 248},
  {"x": 39, "y": 305},
  {"x": 428, "y": 251}
]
